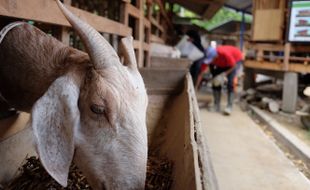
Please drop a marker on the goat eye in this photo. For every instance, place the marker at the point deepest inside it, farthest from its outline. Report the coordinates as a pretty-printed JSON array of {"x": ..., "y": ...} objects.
[{"x": 97, "y": 109}]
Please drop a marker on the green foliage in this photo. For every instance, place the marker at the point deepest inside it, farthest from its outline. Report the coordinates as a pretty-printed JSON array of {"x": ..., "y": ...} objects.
[
  {"x": 222, "y": 16},
  {"x": 182, "y": 12}
]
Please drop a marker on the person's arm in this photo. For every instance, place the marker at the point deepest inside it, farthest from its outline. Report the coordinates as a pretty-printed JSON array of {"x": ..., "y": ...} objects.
[
  {"x": 199, "y": 78},
  {"x": 230, "y": 70}
]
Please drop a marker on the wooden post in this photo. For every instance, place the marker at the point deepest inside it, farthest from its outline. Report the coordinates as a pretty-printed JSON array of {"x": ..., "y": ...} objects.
[
  {"x": 141, "y": 33},
  {"x": 64, "y": 33},
  {"x": 148, "y": 32},
  {"x": 249, "y": 78},
  {"x": 287, "y": 51}
]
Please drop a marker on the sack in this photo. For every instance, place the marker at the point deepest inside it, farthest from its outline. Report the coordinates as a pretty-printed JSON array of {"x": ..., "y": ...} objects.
[
  {"x": 188, "y": 49},
  {"x": 218, "y": 80}
]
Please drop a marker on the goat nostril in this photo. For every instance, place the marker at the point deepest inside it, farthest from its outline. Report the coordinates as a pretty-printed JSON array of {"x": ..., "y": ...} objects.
[{"x": 103, "y": 186}]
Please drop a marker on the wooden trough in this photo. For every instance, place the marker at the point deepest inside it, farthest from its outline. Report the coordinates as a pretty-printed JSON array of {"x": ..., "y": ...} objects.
[
  {"x": 170, "y": 63},
  {"x": 174, "y": 132}
]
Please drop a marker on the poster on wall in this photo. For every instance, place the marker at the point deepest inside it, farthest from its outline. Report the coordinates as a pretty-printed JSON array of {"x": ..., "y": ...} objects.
[{"x": 299, "y": 30}]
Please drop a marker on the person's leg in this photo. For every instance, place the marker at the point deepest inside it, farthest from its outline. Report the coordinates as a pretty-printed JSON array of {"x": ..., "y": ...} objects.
[
  {"x": 230, "y": 90},
  {"x": 194, "y": 70},
  {"x": 217, "y": 89}
]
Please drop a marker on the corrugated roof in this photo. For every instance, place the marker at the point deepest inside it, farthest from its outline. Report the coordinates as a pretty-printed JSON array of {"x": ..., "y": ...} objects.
[
  {"x": 229, "y": 27},
  {"x": 204, "y": 8}
]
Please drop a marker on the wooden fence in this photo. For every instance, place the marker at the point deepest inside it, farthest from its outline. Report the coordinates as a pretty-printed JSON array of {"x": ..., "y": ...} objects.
[{"x": 147, "y": 21}]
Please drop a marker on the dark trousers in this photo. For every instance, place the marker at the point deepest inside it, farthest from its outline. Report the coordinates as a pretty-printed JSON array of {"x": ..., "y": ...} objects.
[
  {"x": 195, "y": 69},
  {"x": 230, "y": 83}
]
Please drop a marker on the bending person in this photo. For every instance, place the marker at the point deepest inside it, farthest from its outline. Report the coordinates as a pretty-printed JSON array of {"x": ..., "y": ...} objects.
[{"x": 223, "y": 61}]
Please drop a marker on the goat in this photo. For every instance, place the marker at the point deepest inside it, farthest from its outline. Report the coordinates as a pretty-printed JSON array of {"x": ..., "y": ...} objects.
[{"x": 85, "y": 107}]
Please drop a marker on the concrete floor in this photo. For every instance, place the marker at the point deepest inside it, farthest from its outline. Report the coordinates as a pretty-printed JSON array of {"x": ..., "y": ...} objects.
[{"x": 244, "y": 158}]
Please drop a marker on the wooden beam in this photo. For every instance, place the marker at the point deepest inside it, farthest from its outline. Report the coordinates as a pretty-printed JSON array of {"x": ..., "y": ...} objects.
[
  {"x": 299, "y": 68},
  {"x": 157, "y": 39},
  {"x": 287, "y": 52},
  {"x": 136, "y": 44},
  {"x": 47, "y": 11},
  {"x": 163, "y": 12},
  {"x": 64, "y": 34},
  {"x": 147, "y": 23},
  {"x": 264, "y": 65},
  {"x": 157, "y": 25},
  {"x": 141, "y": 33},
  {"x": 212, "y": 9},
  {"x": 266, "y": 47},
  {"x": 132, "y": 10},
  {"x": 146, "y": 47}
]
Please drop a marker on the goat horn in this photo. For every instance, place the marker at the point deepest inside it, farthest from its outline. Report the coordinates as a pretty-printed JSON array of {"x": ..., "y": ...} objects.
[{"x": 99, "y": 50}]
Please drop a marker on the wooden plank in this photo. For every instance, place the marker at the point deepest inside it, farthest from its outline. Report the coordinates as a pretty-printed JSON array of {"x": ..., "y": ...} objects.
[
  {"x": 64, "y": 33},
  {"x": 132, "y": 10},
  {"x": 47, "y": 11},
  {"x": 263, "y": 65},
  {"x": 212, "y": 9},
  {"x": 287, "y": 51},
  {"x": 300, "y": 48},
  {"x": 146, "y": 46},
  {"x": 136, "y": 44},
  {"x": 163, "y": 12},
  {"x": 268, "y": 25},
  {"x": 124, "y": 16},
  {"x": 300, "y": 68},
  {"x": 147, "y": 23},
  {"x": 156, "y": 24},
  {"x": 291, "y": 58},
  {"x": 266, "y": 47},
  {"x": 157, "y": 39},
  {"x": 278, "y": 47}
]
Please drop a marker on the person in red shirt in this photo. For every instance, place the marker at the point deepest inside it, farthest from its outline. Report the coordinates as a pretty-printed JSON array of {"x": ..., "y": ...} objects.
[{"x": 222, "y": 62}]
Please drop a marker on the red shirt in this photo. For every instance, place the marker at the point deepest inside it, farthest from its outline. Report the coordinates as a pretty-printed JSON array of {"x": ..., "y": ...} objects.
[{"x": 228, "y": 56}]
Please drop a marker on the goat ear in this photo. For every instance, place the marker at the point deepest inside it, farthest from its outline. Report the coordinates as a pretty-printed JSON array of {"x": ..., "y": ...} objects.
[
  {"x": 126, "y": 50},
  {"x": 53, "y": 119}
]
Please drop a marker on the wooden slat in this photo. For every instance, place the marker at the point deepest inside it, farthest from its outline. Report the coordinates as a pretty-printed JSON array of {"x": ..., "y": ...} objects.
[
  {"x": 147, "y": 23},
  {"x": 157, "y": 39},
  {"x": 136, "y": 44},
  {"x": 300, "y": 68},
  {"x": 146, "y": 46},
  {"x": 132, "y": 10},
  {"x": 157, "y": 25},
  {"x": 266, "y": 47},
  {"x": 212, "y": 9},
  {"x": 264, "y": 65},
  {"x": 163, "y": 12},
  {"x": 291, "y": 58},
  {"x": 268, "y": 25},
  {"x": 47, "y": 11},
  {"x": 287, "y": 50}
]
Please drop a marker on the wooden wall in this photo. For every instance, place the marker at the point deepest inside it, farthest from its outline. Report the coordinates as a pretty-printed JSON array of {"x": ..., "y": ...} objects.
[
  {"x": 269, "y": 17},
  {"x": 272, "y": 50}
]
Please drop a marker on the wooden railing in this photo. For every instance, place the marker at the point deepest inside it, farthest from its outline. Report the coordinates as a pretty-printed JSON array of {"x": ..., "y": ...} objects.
[
  {"x": 145, "y": 21},
  {"x": 47, "y": 12}
]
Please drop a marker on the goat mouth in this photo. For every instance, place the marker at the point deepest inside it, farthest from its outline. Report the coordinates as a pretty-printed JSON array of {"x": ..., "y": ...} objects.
[{"x": 103, "y": 186}]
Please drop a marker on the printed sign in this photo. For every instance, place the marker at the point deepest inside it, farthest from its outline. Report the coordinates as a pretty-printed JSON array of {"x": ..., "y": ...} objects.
[{"x": 299, "y": 30}]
